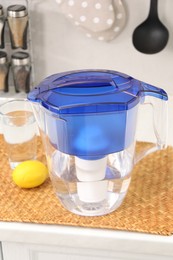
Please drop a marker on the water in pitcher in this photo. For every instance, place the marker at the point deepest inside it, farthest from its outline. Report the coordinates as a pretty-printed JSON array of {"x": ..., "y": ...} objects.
[
  {"x": 20, "y": 136},
  {"x": 82, "y": 197}
]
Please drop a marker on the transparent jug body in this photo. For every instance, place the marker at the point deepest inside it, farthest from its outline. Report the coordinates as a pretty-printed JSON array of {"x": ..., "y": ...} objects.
[
  {"x": 91, "y": 183},
  {"x": 87, "y": 121}
]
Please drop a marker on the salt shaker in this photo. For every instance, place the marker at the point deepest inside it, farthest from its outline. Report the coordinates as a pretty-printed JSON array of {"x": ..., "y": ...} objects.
[
  {"x": 17, "y": 17},
  {"x": 4, "y": 71},
  {"x": 21, "y": 70},
  {"x": 2, "y": 26}
]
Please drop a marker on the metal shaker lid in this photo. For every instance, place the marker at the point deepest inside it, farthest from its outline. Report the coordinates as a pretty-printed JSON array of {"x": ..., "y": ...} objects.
[
  {"x": 1, "y": 10},
  {"x": 20, "y": 58},
  {"x": 16, "y": 11},
  {"x": 3, "y": 57}
]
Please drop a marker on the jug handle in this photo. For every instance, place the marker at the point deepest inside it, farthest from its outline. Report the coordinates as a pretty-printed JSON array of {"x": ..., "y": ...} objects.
[{"x": 157, "y": 99}]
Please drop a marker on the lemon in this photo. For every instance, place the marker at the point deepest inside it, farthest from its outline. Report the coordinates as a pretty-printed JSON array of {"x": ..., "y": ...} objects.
[{"x": 30, "y": 174}]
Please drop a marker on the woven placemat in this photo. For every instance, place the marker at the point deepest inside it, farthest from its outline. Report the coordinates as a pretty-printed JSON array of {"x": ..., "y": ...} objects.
[{"x": 148, "y": 206}]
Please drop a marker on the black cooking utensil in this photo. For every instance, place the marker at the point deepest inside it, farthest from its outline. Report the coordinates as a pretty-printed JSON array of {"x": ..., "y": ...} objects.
[{"x": 151, "y": 36}]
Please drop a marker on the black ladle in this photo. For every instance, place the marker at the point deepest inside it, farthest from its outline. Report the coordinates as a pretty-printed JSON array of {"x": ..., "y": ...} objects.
[{"x": 151, "y": 36}]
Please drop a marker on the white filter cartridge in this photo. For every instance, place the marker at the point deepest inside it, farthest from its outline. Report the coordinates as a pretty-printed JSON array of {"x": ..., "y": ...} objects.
[{"x": 91, "y": 173}]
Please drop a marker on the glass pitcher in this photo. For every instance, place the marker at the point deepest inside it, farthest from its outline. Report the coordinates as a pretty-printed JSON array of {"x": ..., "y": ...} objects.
[{"x": 87, "y": 120}]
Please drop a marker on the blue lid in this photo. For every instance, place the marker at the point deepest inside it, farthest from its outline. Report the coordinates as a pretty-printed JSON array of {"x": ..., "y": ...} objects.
[
  {"x": 91, "y": 116},
  {"x": 91, "y": 91}
]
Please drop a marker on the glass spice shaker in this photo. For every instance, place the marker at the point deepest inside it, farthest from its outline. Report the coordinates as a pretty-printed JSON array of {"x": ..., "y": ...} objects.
[
  {"x": 4, "y": 71},
  {"x": 21, "y": 70},
  {"x": 2, "y": 26},
  {"x": 17, "y": 17}
]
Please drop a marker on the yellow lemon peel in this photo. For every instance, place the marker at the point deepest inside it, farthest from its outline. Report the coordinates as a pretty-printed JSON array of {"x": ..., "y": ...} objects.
[{"x": 30, "y": 174}]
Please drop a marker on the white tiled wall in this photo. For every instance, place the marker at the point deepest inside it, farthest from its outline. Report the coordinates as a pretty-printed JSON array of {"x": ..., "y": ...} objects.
[{"x": 59, "y": 46}]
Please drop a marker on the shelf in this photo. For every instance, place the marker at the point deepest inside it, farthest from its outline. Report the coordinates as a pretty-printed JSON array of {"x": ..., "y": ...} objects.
[{"x": 12, "y": 94}]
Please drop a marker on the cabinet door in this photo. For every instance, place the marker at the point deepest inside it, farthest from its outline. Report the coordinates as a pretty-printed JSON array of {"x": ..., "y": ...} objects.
[
  {"x": 22, "y": 251},
  {"x": 1, "y": 257}
]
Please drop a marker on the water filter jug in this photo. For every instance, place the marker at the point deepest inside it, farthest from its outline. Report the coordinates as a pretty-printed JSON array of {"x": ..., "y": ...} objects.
[{"x": 87, "y": 120}]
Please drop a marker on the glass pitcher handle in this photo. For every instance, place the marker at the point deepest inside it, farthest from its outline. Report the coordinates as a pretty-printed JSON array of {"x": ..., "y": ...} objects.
[{"x": 160, "y": 121}]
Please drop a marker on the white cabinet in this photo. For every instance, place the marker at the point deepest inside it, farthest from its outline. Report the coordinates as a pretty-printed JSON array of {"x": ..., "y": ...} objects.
[
  {"x": 52, "y": 242},
  {"x": 20, "y": 251},
  {"x": 1, "y": 258}
]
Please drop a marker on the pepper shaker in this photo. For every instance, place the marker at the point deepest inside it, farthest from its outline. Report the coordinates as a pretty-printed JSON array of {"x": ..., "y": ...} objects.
[
  {"x": 4, "y": 71},
  {"x": 2, "y": 26},
  {"x": 17, "y": 17},
  {"x": 21, "y": 70}
]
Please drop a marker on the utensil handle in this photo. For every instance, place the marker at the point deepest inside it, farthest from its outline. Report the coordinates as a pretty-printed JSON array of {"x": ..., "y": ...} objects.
[{"x": 153, "y": 13}]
